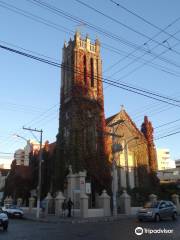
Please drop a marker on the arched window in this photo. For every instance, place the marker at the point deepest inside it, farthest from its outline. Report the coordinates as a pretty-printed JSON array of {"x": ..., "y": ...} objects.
[
  {"x": 85, "y": 70},
  {"x": 92, "y": 73}
]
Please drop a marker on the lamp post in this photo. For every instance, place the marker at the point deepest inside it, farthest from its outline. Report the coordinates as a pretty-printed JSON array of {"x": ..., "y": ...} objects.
[
  {"x": 126, "y": 159},
  {"x": 115, "y": 148},
  {"x": 28, "y": 143},
  {"x": 16, "y": 135},
  {"x": 39, "y": 170}
]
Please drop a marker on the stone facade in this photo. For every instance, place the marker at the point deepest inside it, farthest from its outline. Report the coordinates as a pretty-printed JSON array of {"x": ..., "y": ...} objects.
[
  {"x": 132, "y": 162},
  {"x": 80, "y": 141}
]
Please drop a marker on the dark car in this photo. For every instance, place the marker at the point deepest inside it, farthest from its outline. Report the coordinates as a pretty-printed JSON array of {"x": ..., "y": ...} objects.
[
  {"x": 3, "y": 220},
  {"x": 157, "y": 211}
]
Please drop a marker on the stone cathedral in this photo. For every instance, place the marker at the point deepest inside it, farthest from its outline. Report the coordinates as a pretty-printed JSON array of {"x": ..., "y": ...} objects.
[{"x": 81, "y": 140}]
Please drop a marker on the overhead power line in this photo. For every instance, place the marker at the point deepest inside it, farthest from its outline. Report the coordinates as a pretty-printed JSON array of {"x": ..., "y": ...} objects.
[
  {"x": 145, "y": 44},
  {"x": 95, "y": 28},
  {"x": 167, "y": 135},
  {"x": 122, "y": 24},
  {"x": 168, "y": 123},
  {"x": 142, "y": 65},
  {"x": 145, "y": 20},
  {"x": 70, "y": 32},
  {"x": 124, "y": 86},
  {"x": 6, "y": 153}
]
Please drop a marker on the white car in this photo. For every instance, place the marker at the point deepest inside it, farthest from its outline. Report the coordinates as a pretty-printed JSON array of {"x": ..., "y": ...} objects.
[
  {"x": 3, "y": 220},
  {"x": 13, "y": 211}
]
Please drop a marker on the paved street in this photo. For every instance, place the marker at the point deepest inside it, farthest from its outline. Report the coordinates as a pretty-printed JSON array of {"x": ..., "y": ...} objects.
[{"x": 124, "y": 229}]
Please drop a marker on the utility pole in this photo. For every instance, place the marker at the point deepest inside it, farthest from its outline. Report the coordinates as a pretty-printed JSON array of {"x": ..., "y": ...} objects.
[
  {"x": 126, "y": 163},
  {"x": 115, "y": 148},
  {"x": 39, "y": 170}
]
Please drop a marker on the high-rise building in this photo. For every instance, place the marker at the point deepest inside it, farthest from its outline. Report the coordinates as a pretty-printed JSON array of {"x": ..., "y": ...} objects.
[
  {"x": 80, "y": 141},
  {"x": 177, "y": 163},
  {"x": 164, "y": 160},
  {"x": 22, "y": 155}
]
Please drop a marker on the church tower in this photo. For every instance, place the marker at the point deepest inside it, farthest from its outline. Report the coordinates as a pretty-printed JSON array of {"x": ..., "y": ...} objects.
[
  {"x": 147, "y": 130},
  {"x": 80, "y": 141}
]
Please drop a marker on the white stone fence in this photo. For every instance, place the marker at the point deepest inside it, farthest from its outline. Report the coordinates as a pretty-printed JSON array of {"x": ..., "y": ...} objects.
[{"x": 84, "y": 211}]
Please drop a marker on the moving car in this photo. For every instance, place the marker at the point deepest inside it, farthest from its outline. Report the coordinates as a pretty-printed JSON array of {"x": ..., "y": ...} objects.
[
  {"x": 157, "y": 211},
  {"x": 13, "y": 211},
  {"x": 3, "y": 220}
]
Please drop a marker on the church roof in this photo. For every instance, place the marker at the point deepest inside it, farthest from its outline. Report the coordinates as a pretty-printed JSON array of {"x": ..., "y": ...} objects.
[
  {"x": 124, "y": 116},
  {"x": 109, "y": 119}
]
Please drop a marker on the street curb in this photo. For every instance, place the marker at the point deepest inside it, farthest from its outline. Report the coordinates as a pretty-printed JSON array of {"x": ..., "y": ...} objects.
[{"x": 79, "y": 221}]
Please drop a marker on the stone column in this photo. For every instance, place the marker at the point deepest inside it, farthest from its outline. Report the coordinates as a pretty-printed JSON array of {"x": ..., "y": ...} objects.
[
  {"x": 105, "y": 203},
  {"x": 31, "y": 203},
  {"x": 125, "y": 203},
  {"x": 10, "y": 201},
  {"x": 19, "y": 202},
  {"x": 71, "y": 185},
  {"x": 58, "y": 204},
  {"x": 6, "y": 201},
  {"x": 84, "y": 205},
  {"x": 175, "y": 199},
  {"x": 49, "y": 204},
  {"x": 153, "y": 198},
  {"x": 82, "y": 182},
  {"x": 97, "y": 201}
]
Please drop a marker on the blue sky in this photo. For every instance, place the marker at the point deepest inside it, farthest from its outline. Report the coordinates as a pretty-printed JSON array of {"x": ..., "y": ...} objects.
[{"x": 30, "y": 90}]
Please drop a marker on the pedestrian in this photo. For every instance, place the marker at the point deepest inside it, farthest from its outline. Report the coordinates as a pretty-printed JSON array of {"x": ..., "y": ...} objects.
[
  {"x": 64, "y": 207},
  {"x": 69, "y": 205},
  {"x": 43, "y": 206}
]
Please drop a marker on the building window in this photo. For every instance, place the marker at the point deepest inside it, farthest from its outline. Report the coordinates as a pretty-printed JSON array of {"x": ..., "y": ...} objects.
[{"x": 92, "y": 72}]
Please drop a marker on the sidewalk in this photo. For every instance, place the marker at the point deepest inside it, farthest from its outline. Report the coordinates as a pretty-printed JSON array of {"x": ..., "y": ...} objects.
[{"x": 59, "y": 219}]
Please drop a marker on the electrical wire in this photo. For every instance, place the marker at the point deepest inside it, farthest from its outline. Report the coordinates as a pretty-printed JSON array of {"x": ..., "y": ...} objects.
[
  {"x": 105, "y": 80},
  {"x": 103, "y": 32},
  {"x": 120, "y": 23},
  {"x": 70, "y": 32},
  {"x": 143, "y": 19}
]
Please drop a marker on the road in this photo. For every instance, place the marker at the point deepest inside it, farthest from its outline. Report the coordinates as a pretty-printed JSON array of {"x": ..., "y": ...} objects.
[{"x": 122, "y": 230}]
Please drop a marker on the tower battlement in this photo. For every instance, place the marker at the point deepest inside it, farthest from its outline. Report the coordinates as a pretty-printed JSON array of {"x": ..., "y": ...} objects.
[
  {"x": 82, "y": 72},
  {"x": 84, "y": 44}
]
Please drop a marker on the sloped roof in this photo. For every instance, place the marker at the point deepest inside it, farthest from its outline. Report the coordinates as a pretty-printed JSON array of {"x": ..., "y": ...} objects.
[
  {"x": 126, "y": 115},
  {"x": 109, "y": 119}
]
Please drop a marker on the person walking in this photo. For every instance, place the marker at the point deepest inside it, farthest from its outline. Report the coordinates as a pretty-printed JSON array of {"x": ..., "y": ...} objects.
[
  {"x": 64, "y": 207},
  {"x": 69, "y": 205},
  {"x": 43, "y": 207}
]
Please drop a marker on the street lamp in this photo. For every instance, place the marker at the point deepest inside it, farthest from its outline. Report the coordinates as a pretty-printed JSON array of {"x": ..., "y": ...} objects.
[
  {"x": 39, "y": 170},
  {"x": 126, "y": 159},
  {"x": 16, "y": 135},
  {"x": 115, "y": 148}
]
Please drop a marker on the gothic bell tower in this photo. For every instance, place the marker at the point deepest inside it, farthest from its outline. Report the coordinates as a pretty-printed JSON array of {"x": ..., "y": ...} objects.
[{"x": 80, "y": 141}]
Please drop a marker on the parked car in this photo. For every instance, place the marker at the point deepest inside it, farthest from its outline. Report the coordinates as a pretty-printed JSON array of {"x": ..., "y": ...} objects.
[
  {"x": 13, "y": 211},
  {"x": 3, "y": 219},
  {"x": 157, "y": 211}
]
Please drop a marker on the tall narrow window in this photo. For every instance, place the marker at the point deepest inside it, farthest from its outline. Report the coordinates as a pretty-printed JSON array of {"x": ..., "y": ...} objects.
[
  {"x": 97, "y": 68},
  {"x": 85, "y": 70},
  {"x": 92, "y": 73},
  {"x": 67, "y": 75}
]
